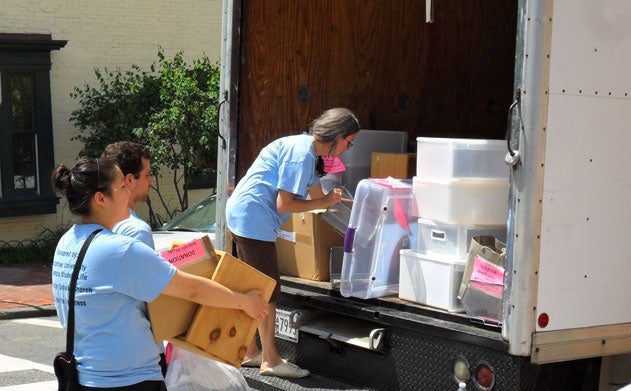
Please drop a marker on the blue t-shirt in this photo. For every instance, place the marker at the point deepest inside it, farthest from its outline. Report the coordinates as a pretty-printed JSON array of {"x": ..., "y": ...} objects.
[
  {"x": 136, "y": 228},
  {"x": 114, "y": 345},
  {"x": 287, "y": 163}
]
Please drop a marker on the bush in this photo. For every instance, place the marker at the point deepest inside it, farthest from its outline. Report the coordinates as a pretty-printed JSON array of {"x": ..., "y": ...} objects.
[
  {"x": 172, "y": 109},
  {"x": 40, "y": 250}
]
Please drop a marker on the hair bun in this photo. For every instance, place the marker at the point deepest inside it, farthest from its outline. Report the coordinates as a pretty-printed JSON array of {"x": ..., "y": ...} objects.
[{"x": 61, "y": 179}]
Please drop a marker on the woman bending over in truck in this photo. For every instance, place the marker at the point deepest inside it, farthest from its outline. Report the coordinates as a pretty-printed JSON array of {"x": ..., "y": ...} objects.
[
  {"x": 113, "y": 343},
  {"x": 275, "y": 186}
]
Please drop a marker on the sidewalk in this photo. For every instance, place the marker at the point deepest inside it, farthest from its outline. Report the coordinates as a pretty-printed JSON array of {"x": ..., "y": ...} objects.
[{"x": 26, "y": 291}]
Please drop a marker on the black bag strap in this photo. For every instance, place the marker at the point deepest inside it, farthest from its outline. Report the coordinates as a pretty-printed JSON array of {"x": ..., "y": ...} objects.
[{"x": 71, "y": 292}]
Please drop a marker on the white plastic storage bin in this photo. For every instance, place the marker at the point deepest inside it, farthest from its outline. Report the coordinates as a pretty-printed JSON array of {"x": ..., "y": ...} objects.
[
  {"x": 453, "y": 239},
  {"x": 358, "y": 159},
  {"x": 468, "y": 201},
  {"x": 431, "y": 279},
  {"x": 447, "y": 158},
  {"x": 380, "y": 226}
]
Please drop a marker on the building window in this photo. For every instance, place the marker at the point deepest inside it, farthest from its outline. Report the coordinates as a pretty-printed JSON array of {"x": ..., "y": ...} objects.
[{"x": 26, "y": 133}]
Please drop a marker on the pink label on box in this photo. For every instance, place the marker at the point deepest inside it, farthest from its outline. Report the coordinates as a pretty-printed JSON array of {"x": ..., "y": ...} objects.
[
  {"x": 185, "y": 253},
  {"x": 486, "y": 272}
]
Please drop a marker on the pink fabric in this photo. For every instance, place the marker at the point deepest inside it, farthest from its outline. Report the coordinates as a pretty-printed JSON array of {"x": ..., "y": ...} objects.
[
  {"x": 333, "y": 164},
  {"x": 400, "y": 215}
]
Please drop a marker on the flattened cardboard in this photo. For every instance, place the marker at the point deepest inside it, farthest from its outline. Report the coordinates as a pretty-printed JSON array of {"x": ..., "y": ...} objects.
[
  {"x": 396, "y": 165},
  {"x": 169, "y": 315},
  {"x": 304, "y": 246}
]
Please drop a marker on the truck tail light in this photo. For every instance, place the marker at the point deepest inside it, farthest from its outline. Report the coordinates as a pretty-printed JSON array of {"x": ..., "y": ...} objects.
[
  {"x": 543, "y": 320},
  {"x": 484, "y": 376},
  {"x": 460, "y": 369}
]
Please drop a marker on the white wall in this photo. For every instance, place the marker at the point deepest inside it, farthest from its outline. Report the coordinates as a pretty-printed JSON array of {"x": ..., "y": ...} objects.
[{"x": 105, "y": 34}]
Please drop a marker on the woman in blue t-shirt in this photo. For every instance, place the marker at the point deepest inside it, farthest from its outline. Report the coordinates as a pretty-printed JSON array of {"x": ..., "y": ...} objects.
[
  {"x": 275, "y": 186},
  {"x": 114, "y": 346}
]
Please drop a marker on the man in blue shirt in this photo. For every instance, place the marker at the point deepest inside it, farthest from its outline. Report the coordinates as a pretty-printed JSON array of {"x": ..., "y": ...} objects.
[{"x": 134, "y": 161}]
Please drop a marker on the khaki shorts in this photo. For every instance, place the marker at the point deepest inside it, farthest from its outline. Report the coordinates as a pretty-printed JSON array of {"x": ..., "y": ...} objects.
[{"x": 261, "y": 255}]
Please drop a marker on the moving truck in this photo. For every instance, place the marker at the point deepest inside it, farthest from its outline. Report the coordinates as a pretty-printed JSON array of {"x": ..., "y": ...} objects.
[{"x": 552, "y": 79}]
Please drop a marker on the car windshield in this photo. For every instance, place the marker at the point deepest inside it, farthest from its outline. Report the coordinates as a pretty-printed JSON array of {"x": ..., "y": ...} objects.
[{"x": 198, "y": 217}]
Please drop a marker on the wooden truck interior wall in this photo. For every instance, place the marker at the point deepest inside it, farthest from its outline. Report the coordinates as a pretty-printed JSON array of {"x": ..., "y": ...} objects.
[{"x": 450, "y": 78}]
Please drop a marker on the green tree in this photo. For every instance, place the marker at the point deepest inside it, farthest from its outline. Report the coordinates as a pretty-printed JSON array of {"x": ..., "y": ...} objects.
[{"x": 172, "y": 109}]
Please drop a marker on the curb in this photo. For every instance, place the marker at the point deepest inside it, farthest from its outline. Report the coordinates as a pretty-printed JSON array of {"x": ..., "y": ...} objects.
[{"x": 27, "y": 312}]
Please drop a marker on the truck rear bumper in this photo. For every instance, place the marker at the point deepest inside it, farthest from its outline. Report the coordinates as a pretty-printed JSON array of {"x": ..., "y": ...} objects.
[{"x": 420, "y": 344}]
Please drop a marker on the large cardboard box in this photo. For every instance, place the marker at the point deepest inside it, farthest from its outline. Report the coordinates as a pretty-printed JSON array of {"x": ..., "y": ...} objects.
[
  {"x": 169, "y": 315},
  {"x": 224, "y": 333},
  {"x": 304, "y": 246},
  {"x": 396, "y": 165},
  {"x": 218, "y": 333}
]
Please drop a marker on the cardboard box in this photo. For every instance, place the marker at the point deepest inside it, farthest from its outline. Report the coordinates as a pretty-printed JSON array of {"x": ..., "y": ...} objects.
[
  {"x": 396, "y": 165},
  {"x": 189, "y": 325},
  {"x": 224, "y": 333},
  {"x": 304, "y": 246},
  {"x": 169, "y": 315}
]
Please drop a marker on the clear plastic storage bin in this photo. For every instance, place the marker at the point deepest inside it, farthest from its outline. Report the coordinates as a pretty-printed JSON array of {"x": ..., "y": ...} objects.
[
  {"x": 431, "y": 279},
  {"x": 483, "y": 302},
  {"x": 335, "y": 265},
  {"x": 380, "y": 226},
  {"x": 468, "y": 201},
  {"x": 453, "y": 239},
  {"x": 447, "y": 158},
  {"x": 339, "y": 215}
]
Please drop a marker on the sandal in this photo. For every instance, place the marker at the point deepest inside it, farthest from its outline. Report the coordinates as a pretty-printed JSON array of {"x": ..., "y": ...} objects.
[
  {"x": 254, "y": 362},
  {"x": 285, "y": 369}
]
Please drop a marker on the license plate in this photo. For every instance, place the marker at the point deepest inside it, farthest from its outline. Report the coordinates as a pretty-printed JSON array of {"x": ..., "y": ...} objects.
[{"x": 283, "y": 328}]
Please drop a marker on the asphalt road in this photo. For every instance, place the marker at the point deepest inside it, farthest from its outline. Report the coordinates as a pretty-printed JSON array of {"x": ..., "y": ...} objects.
[{"x": 27, "y": 348}]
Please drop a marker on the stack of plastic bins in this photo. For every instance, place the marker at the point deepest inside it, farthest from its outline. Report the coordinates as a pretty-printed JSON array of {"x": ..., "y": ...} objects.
[
  {"x": 381, "y": 224},
  {"x": 460, "y": 191},
  {"x": 461, "y": 181}
]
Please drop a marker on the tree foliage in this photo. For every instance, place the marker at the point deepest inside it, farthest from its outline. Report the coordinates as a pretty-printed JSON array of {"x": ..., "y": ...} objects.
[{"x": 172, "y": 109}]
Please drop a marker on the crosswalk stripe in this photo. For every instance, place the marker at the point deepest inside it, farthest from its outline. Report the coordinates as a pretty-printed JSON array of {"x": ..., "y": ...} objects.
[
  {"x": 11, "y": 364},
  {"x": 39, "y": 322},
  {"x": 40, "y": 386}
]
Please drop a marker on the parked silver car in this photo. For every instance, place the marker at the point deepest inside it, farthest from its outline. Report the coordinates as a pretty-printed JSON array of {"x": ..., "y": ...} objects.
[{"x": 196, "y": 221}]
